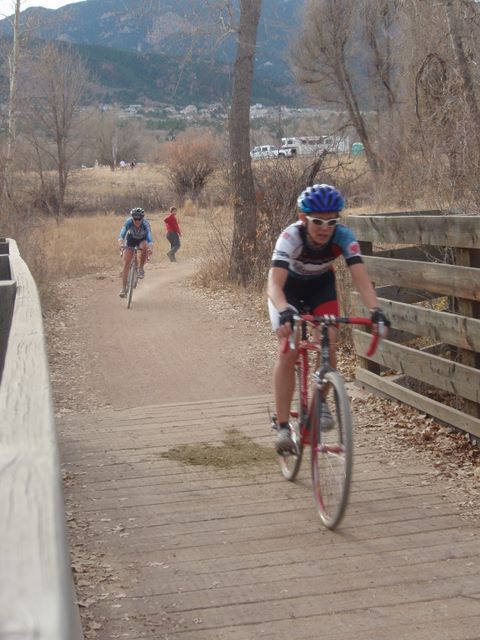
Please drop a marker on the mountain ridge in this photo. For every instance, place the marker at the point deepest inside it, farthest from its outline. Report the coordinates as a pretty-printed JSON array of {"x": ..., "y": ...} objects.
[{"x": 179, "y": 29}]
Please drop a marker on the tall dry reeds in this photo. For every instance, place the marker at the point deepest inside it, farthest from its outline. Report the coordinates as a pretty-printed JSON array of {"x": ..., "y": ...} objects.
[{"x": 99, "y": 190}]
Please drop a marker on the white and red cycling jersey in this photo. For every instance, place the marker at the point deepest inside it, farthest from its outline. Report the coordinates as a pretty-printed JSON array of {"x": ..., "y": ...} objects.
[{"x": 304, "y": 261}]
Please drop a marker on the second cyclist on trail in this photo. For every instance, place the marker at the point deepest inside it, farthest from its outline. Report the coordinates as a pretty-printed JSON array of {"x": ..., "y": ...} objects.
[
  {"x": 136, "y": 232},
  {"x": 302, "y": 273}
]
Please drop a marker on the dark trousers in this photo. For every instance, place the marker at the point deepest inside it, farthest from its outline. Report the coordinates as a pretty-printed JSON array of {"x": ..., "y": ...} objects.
[{"x": 174, "y": 239}]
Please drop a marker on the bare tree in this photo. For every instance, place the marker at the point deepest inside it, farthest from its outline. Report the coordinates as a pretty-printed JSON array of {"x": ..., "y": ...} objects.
[
  {"x": 13, "y": 59},
  {"x": 440, "y": 83},
  {"x": 117, "y": 138},
  {"x": 322, "y": 60},
  {"x": 56, "y": 82},
  {"x": 244, "y": 234},
  {"x": 382, "y": 29},
  {"x": 452, "y": 8}
]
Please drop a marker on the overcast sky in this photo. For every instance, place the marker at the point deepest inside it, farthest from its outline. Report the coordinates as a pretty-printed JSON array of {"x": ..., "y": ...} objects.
[{"x": 7, "y": 6}]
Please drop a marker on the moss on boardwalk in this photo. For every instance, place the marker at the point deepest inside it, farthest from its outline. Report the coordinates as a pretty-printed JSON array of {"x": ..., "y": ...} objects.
[{"x": 236, "y": 450}]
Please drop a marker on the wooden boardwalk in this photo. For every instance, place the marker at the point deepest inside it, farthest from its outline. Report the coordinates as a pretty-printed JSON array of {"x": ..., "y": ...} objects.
[{"x": 194, "y": 553}]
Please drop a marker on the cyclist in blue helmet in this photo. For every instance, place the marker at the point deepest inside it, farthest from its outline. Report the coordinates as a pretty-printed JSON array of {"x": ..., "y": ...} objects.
[
  {"x": 302, "y": 274},
  {"x": 136, "y": 232}
]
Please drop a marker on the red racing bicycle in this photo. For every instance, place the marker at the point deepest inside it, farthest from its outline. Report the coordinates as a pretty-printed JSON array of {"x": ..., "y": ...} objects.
[{"x": 331, "y": 444}]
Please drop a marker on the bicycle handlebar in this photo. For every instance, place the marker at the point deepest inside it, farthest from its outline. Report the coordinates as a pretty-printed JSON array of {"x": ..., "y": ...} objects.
[
  {"x": 135, "y": 249},
  {"x": 331, "y": 320}
]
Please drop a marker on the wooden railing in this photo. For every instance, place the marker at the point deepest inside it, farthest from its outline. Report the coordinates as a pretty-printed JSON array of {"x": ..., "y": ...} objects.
[
  {"x": 430, "y": 290},
  {"x": 36, "y": 590}
]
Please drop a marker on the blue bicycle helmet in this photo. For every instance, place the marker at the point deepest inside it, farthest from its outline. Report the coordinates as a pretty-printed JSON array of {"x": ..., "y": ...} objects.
[{"x": 321, "y": 198}]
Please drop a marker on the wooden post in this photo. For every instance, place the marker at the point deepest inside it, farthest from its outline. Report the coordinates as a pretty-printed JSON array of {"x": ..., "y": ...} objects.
[
  {"x": 367, "y": 250},
  {"x": 469, "y": 308}
]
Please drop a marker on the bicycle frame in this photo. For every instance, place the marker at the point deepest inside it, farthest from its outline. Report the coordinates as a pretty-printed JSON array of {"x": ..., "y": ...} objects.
[
  {"x": 322, "y": 347},
  {"x": 134, "y": 251},
  {"x": 132, "y": 275}
]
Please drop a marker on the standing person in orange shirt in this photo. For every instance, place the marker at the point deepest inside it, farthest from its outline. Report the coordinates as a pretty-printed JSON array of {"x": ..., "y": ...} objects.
[{"x": 173, "y": 233}]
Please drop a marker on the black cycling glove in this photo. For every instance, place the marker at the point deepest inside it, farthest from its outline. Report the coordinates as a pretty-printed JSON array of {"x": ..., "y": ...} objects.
[
  {"x": 286, "y": 316},
  {"x": 378, "y": 317}
]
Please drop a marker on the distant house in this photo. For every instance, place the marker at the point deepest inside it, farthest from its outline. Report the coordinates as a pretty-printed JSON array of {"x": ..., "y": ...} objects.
[{"x": 133, "y": 108}]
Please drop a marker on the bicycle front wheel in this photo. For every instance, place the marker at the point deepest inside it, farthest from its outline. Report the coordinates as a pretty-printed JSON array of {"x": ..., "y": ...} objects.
[
  {"x": 131, "y": 283},
  {"x": 290, "y": 462},
  {"x": 135, "y": 276},
  {"x": 332, "y": 451}
]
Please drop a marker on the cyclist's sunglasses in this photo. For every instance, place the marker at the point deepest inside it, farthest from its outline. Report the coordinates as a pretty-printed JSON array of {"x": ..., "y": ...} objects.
[
  {"x": 137, "y": 217},
  {"x": 323, "y": 223}
]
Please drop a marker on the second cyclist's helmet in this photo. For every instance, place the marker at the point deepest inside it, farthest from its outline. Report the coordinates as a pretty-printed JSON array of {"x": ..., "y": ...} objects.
[
  {"x": 321, "y": 198},
  {"x": 137, "y": 212}
]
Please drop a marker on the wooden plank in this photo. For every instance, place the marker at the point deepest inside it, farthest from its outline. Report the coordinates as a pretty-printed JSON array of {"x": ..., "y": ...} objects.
[
  {"x": 36, "y": 594},
  {"x": 438, "y": 372},
  {"x": 416, "y": 213},
  {"x": 402, "y": 294},
  {"x": 433, "y": 408},
  {"x": 463, "y": 282},
  {"x": 183, "y": 548},
  {"x": 443, "y": 230},
  {"x": 439, "y": 326},
  {"x": 421, "y": 254}
]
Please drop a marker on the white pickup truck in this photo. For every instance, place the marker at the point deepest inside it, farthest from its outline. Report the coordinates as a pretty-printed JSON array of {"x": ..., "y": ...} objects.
[{"x": 269, "y": 151}]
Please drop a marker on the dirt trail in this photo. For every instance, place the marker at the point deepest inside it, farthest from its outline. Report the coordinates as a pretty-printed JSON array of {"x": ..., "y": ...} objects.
[{"x": 173, "y": 344}]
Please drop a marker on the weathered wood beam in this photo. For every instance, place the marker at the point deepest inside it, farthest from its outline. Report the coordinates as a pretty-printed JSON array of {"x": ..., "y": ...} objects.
[
  {"x": 439, "y": 326},
  {"x": 439, "y": 230},
  {"x": 389, "y": 388},
  {"x": 446, "y": 279},
  {"x": 436, "y": 371}
]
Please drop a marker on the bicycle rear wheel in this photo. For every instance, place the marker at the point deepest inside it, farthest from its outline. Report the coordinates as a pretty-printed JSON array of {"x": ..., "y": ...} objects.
[
  {"x": 290, "y": 462},
  {"x": 332, "y": 452},
  {"x": 132, "y": 272}
]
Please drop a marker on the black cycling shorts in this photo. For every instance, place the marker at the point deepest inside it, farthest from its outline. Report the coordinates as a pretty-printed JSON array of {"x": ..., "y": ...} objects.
[
  {"x": 311, "y": 293},
  {"x": 133, "y": 242}
]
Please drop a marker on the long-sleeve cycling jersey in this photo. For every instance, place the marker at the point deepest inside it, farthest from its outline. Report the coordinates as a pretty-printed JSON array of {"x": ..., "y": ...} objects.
[
  {"x": 302, "y": 260},
  {"x": 143, "y": 232}
]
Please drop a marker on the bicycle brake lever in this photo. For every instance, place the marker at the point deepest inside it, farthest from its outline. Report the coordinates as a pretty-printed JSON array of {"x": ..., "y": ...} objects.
[
  {"x": 289, "y": 343},
  {"x": 373, "y": 345}
]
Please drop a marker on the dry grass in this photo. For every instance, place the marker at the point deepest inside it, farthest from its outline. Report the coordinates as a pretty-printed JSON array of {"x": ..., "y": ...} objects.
[
  {"x": 93, "y": 191},
  {"x": 86, "y": 244},
  {"x": 100, "y": 190},
  {"x": 101, "y": 180},
  {"x": 218, "y": 226}
]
